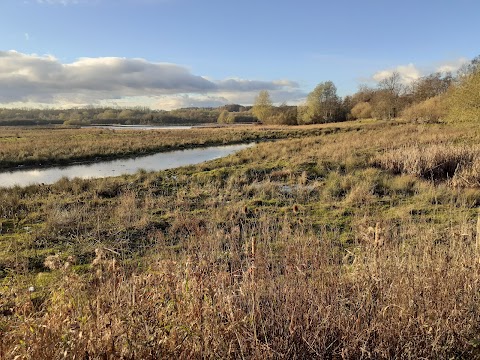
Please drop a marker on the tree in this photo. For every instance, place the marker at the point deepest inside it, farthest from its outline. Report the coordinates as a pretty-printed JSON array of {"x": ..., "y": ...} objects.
[
  {"x": 386, "y": 101},
  {"x": 363, "y": 96},
  {"x": 322, "y": 104},
  {"x": 262, "y": 107},
  {"x": 384, "y": 105},
  {"x": 430, "y": 86},
  {"x": 470, "y": 68},
  {"x": 232, "y": 107},
  {"x": 108, "y": 114},
  {"x": 392, "y": 84},
  {"x": 226, "y": 117},
  {"x": 283, "y": 115},
  {"x": 126, "y": 114}
]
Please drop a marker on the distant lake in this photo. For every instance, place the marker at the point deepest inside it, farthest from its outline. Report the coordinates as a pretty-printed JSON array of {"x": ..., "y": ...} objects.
[
  {"x": 137, "y": 127},
  {"x": 101, "y": 169}
]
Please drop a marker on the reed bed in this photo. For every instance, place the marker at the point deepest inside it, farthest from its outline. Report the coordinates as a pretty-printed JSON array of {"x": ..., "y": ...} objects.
[{"x": 438, "y": 162}]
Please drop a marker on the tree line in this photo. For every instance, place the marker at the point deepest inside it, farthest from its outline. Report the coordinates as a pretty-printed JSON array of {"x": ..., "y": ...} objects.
[
  {"x": 125, "y": 116},
  {"x": 437, "y": 96},
  {"x": 107, "y": 115}
]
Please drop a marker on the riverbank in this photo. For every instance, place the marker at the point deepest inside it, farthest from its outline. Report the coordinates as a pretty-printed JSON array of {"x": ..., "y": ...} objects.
[{"x": 40, "y": 147}]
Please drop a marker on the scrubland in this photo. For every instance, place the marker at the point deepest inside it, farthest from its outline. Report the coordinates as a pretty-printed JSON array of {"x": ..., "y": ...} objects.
[{"x": 363, "y": 242}]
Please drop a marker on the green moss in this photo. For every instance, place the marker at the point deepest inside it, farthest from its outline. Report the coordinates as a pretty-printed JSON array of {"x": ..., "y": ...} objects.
[
  {"x": 266, "y": 202},
  {"x": 47, "y": 279}
]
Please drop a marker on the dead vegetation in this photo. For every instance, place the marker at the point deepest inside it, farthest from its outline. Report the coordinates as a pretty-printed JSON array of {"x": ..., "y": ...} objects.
[
  {"x": 435, "y": 161},
  {"x": 304, "y": 248}
]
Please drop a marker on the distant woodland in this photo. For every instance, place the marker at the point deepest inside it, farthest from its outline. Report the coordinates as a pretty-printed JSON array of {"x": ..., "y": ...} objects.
[
  {"x": 438, "y": 96},
  {"x": 130, "y": 116}
]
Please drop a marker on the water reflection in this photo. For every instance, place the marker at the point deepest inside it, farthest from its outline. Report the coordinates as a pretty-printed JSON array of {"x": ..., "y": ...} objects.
[
  {"x": 155, "y": 162},
  {"x": 137, "y": 127}
]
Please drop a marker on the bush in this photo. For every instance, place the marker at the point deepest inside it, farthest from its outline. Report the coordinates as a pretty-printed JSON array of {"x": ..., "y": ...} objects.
[
  {"x": 430, "y": 110},
  {"x": 226, "y": 117},
  {"x": 362, "y": 110},
  {"x": 283, "y": 115},
  {"x": 464, "y": 99}
]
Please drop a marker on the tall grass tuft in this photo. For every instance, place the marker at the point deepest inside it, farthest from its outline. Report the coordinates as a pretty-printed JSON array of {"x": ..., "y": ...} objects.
[{"x": 435, "y": 162}]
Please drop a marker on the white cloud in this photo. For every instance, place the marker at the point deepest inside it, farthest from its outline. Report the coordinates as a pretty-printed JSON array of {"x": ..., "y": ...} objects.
[
  {"x": 452, "y": 65},
  {"x": 170, "y": 102},
  {"x": 408, "y": 73},
  {"x": 36, "y": 79},
  {"x": 236, "y": 84}
]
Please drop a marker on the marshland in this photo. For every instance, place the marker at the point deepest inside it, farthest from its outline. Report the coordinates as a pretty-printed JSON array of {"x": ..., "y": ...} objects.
[
  {"x": 350, "y": 230},
  {"x": 348, "y": 240},
  {"x": 334, "y": 212}
]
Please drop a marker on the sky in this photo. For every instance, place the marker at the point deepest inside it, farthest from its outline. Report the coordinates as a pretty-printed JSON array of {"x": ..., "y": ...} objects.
[{"x": 168, "y": 54}]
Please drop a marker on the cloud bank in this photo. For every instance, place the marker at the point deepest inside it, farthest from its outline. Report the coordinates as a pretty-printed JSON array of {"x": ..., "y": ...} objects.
[
  {"x": 452, "y": 66},
  {"x": 410, "y": 72},
  {"x": 44, "y": 79}
]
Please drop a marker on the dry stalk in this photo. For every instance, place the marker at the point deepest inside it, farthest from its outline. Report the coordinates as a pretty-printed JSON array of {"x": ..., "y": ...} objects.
[{"x": 477, "y": 243}]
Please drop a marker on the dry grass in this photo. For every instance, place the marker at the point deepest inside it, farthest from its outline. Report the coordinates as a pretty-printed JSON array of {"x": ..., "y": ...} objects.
[
  {"x": 304, "y": 248},
  {"x": 435, "y": 161},
  {"x": 437, "y": 158},
  {"x": 47, "y": 146},
  {"x": 289, "y": 294}
]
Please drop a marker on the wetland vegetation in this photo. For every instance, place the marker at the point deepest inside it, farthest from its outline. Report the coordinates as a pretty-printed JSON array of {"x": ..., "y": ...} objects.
[
  {"x": 358, "y": 239},
  {"x": 345, "y": 240},
  {"x": 38, "y": 146}
]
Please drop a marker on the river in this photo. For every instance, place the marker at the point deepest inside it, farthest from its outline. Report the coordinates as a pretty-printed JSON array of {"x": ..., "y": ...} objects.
[{"x": 155, "y": 162}]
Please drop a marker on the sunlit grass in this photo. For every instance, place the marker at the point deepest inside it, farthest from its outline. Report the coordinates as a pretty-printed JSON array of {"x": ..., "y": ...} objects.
[{"x": 307, "y": 247}]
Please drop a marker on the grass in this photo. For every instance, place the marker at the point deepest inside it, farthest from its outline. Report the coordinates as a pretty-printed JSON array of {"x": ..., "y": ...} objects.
[
  {"x": 311, "y": 247},
  {"x": 437, "y": 161},
  {"x": 39, "y": 146}
]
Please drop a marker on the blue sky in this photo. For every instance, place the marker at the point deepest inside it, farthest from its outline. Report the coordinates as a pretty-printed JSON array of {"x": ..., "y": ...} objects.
[{"x": 173, "y": 53}]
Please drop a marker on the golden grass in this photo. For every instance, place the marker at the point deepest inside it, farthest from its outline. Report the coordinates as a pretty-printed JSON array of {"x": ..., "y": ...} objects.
[
  {"x": 304, "y": 248},
  {"x": 436, "y": 161},
  {"x": 47, "y": 146},
  {"x": 225, "y": 296}
]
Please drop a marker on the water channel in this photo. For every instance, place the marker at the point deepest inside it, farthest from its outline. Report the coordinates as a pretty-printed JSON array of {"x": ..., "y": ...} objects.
[{"x": 155, "y": 162}]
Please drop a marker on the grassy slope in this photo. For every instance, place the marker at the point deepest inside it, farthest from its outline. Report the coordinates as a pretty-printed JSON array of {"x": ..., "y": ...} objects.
[{"x": 307, "y": 247}]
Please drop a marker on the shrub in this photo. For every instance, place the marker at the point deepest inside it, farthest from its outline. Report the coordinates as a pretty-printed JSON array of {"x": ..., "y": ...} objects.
[
  {"x": 226, "y": 117},
  {"x": 283, "y": 115},
  {"x": 430, "y": 110},
  {"x": 464, "y": 99},
  {"x": 362, "y": 110}
]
